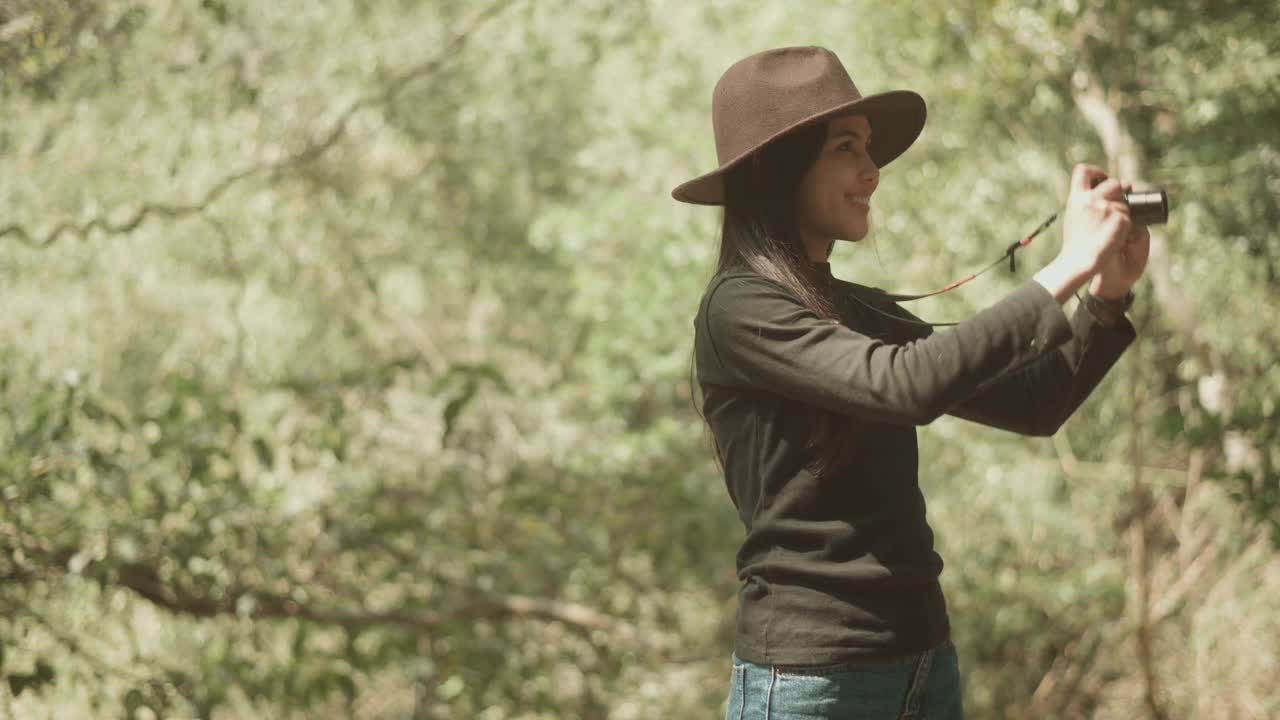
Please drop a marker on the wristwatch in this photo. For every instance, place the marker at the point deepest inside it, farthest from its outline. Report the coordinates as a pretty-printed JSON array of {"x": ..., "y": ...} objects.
[{"x": 1108, "y": 312}]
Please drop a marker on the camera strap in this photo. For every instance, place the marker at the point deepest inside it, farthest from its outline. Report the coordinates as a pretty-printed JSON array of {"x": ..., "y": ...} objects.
[{"x": 1008, "y": 253}]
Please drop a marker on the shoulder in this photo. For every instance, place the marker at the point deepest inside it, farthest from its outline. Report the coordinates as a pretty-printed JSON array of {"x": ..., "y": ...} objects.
[
  {"x": 727, "y": 289},
  {"x": 874, "y": 311},
  {"x": 744, "y": 294}
]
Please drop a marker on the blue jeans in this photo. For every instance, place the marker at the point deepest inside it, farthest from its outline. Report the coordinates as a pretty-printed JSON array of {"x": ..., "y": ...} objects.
[{"x": 923, "y": 686}]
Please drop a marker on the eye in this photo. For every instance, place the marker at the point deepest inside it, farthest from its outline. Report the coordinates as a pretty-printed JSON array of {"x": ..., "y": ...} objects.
[{"x": 847, "y": 145}]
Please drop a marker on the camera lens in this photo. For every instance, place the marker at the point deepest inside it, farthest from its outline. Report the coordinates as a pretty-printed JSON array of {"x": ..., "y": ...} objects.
[{"x": 1148, "y": 207}]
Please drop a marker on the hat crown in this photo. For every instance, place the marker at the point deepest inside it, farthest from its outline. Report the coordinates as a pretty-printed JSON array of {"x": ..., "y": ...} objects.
[{"x": 766, "y": 94}]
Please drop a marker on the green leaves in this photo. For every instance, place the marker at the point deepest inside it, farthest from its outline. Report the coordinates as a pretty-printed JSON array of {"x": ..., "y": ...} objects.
[
  {"x": 44, "y": 43},
  {"x": 461, "y": 383},
  {"x": 404, "y": 331},
  {"x": 34, "y": 680}
]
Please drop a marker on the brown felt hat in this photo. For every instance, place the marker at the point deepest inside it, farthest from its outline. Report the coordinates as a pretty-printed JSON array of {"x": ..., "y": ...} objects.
[{"x": 762, "y": 97}]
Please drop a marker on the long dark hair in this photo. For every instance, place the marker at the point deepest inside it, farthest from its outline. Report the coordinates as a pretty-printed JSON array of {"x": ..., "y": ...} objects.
[{"x": 760, "y": 233}]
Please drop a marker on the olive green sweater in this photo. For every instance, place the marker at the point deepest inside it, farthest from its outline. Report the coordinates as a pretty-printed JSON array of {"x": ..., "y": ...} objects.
[{"x": 844, "y": 568}]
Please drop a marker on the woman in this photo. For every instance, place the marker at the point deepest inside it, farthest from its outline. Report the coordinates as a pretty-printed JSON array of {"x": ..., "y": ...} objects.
[{"x": 813, "y": 387}]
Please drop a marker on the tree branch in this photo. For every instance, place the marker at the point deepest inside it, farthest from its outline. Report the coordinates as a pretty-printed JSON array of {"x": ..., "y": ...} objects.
[
  {"x": 144, "y": 580},
  {"x": 1122, "y": 155},
  {"x": 1100, "y": 109},
  {"x": 305, "y": 155}
]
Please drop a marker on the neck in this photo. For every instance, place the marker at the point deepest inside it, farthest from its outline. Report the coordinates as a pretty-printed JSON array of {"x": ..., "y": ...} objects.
[{"x": 818, "y": 250}]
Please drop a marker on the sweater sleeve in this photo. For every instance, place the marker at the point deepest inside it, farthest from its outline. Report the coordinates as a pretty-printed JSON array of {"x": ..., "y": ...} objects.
[
  {"x": 1039, "y": 398},
  {"x": 761, "y": 337}
]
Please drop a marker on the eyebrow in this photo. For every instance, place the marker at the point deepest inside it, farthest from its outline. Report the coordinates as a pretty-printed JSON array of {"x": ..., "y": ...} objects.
[{"x": 852, "y": 133}]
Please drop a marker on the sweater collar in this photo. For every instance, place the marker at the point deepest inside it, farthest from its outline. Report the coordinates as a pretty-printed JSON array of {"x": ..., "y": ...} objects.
[{"x": 822, "y": 272}]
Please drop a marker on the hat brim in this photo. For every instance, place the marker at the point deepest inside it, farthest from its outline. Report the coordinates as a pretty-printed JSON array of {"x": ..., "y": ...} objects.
[{"x": 896, "y": 118}]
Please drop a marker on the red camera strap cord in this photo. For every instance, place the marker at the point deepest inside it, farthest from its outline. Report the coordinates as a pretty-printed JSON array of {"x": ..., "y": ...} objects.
[{"x": 1008, "y": 253}]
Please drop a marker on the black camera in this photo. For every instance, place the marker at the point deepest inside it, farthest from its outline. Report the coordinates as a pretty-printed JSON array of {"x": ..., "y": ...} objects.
[{"x": 1146, "y": 207}]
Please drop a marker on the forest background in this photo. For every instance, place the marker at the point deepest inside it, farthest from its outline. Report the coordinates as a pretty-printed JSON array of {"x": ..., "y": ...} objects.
[{"x": 345, "y": 351}]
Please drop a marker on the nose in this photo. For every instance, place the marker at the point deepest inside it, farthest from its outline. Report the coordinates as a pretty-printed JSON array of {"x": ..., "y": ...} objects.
[{"x": 869, "y": 173}]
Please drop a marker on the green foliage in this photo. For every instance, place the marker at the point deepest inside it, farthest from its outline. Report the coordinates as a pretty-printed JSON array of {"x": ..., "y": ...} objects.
[
  {"x": 46, "y": 43},
  {"x": 344, "y": 361}
]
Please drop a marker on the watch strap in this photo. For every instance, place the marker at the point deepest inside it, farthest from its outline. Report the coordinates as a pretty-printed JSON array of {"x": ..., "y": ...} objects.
[{"x": 1108, "y": 312}]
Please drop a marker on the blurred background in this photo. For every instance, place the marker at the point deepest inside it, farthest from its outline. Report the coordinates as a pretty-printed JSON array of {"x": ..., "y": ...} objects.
[{"x": 345, "y": 354}]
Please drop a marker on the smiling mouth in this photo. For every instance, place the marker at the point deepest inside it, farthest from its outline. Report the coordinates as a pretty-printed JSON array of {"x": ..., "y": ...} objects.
[{"x": 863, "y": 200}]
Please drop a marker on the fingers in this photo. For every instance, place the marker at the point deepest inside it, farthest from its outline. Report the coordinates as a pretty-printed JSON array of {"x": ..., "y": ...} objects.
[
  {"x": 1117, "y": 206},
  {"x": 1093, "y": 178},
  {"x": 1083, "y": 175},
  {"x": 1139, "y": 247},
  {"x": 1120, "y": 224},
  {"x": 1139, "y": 236},
  {"x": 1110, "y": 189},
  {"x": 1105, "y": 210}
]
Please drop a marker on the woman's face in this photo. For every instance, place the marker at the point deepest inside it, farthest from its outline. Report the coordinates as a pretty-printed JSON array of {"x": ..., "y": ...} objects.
[{"x": 835, "y": 195}]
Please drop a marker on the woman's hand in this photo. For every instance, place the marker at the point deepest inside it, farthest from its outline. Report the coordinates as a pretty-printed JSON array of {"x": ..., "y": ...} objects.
[
  {"x": 1095, "y": 225},
  {"x": 1096, "y": 221},
  {"x": 1120, "y": 270}
]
